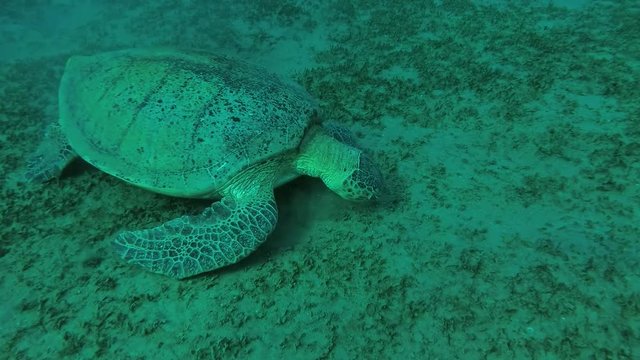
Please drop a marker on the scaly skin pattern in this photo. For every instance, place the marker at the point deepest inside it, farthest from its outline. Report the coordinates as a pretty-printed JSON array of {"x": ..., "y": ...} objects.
[{"x": 223, "y": 234}]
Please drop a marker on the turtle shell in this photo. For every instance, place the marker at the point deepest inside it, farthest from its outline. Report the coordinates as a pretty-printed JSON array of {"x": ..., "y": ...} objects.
[{"x": 180, "y": 123}]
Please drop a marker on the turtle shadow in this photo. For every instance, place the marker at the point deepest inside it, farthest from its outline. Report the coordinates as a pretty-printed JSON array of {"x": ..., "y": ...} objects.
[{"x": 76, "y": 168}]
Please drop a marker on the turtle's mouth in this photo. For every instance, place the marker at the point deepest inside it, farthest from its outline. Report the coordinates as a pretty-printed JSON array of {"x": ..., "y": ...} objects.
[{"x": 365, "y": 182}]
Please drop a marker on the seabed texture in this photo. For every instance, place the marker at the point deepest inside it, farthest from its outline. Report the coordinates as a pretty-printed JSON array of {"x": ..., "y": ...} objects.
[{"x": 509, "y": 133}]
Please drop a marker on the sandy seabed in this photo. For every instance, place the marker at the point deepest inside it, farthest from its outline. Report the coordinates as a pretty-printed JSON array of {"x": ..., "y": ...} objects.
[{"x": 508, "y": 134}]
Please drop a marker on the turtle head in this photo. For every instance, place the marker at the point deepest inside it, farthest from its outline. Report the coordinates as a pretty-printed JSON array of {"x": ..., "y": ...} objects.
[
  {"x": 344, "y": 168},
  {"x": 363, "y": 183}
]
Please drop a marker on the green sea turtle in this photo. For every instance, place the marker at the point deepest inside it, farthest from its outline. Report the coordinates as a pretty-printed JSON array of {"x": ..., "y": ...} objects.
[{"x": 194, "y": 124}]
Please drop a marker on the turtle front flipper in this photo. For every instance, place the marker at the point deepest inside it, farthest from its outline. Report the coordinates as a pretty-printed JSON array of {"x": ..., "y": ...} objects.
[
  {"x": 223, "y": 234},
  {"x": 52, "y": 155}
]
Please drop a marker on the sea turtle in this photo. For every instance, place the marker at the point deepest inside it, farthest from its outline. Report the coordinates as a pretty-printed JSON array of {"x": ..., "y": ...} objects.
[{"x": 199, "y": 125}]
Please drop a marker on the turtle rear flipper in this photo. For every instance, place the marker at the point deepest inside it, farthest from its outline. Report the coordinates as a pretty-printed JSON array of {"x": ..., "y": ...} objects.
[
  {"x": 52, "y": 155},
  {"x": 223, "y": 234}
]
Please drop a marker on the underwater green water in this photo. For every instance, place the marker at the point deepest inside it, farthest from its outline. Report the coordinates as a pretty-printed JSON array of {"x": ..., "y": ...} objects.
[{"x": 507, "y": 134}]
